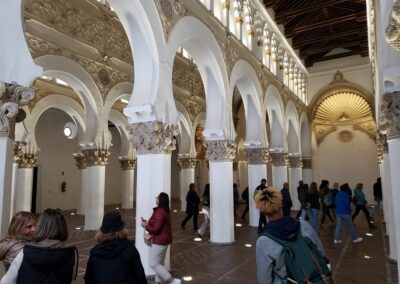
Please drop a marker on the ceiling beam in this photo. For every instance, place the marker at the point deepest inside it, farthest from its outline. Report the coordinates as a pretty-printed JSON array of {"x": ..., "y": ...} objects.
[
  {"x": 314, "y": 50},
  {"x": 282, "y": 17},
  {"x": 300, "y": 42},
  {"x": 290, "y": 32}
]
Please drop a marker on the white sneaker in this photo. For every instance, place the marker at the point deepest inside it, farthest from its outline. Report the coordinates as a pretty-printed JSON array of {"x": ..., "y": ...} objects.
[
  {"x": 175, "y": 281},
  {"x": 358, "y": 240},
  {"x": 337, "y": 241}
]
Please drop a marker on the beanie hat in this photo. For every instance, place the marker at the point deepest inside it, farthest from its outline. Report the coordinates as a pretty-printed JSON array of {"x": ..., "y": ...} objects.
[{"x": 112, "y": 222}]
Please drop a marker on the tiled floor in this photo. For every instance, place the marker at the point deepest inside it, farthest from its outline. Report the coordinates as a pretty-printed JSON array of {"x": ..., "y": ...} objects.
[{"x": 206, "y": 263}]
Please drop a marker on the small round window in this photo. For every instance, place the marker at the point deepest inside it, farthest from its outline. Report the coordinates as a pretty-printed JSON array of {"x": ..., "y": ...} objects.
[{"x": 70, "y": 130}]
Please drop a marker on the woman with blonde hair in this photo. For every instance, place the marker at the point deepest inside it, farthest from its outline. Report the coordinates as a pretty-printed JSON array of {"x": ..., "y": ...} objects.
[
  {"x": 20, "y": 232},
  {"x": 46, "y": 259},
  {"x": 114, "y": 259}
]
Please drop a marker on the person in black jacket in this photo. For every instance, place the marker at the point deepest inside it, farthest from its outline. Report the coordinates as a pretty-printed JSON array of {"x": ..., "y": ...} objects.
[
  {"x": 245, "y": 197},
  {"x": 286, "y": 200},
  {"x": 192, "y": 207},
  {"x": 262, "y": 220},
  {"x": 114, "y": 259}
]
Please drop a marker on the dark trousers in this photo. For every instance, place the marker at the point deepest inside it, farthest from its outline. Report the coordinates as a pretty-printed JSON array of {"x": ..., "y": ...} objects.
[
  {"x": 262, "y": 222},
  {"x": 365, "y": 210},
  {"x": 326, "y": 212},
  {"x": 187, "y": 218},
  {"x": 286, "y": 211},
  {"x": 245, "y": 211}
]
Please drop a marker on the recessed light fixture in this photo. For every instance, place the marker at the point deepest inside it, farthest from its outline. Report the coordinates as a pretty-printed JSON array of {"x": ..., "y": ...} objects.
[
  {"x": 72, "y": 214},
  {"x": 77, "y": 228},
  {"x": 248, "y": 245},
  {"x": 369, "y": 234},
  {"x": 367, "y": 257},
  {"x": 175, "y": 210},
  {"x": 239, "y": 225},
  {"x": 197, "y": 239},
  {"x": 117, "y": 208},
  {"x": 187, "y": 278}
]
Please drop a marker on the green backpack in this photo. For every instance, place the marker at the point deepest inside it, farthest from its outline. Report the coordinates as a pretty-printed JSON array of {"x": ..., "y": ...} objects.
[{"x": 304, "y": 262}]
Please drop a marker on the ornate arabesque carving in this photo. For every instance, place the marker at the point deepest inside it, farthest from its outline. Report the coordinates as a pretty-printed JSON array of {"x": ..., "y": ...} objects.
[
  {"x": 257, "y": 156},
  {"x": 392, "y": 34},
  {"x": 186, "y": 163},
  {"x": 127, "y": 164},
  {"x": 391, "y": 110},
  {"x": 220, "y": 150},
  {"x": 12, "y": 96},
  {"x": 80, "y": 161},
  {"x": 96, "y": 69},
  {"x": 295, "y": 161},
  {"x": 279, "y": 159},
  {"x": 321, "y": 131},
  {"x": 96, "y": 157},
  {"x": 153, "y": 137},
  {"x": 27, "y": 161},
  {"x": 171, "y": 11},
  {"x": 18, "y": 145},
  {"x": 97, "y": 27}
]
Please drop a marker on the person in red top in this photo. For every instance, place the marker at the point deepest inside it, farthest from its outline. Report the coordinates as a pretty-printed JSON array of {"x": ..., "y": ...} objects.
[{"x": 159, "y": 226}]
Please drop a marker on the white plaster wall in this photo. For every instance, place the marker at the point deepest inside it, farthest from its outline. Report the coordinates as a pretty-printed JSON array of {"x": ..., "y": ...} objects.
[
  {"x": 351, "y": 162},
  {"x": 355, "y": 69},
  {"x": 56, "y": 155}
]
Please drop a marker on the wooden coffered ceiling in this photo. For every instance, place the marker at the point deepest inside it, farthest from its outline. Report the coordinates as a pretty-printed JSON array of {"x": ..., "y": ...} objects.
[{"x": 323, "y": 29}]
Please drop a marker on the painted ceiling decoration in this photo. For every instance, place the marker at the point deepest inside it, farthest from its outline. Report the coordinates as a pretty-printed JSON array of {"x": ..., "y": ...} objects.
[{"x": 343, "y": 108}]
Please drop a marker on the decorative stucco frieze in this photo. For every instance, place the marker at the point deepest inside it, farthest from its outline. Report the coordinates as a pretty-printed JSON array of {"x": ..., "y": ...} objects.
[
  {"x": 257, "y": 156},
  {"x": 391, "y": 109},
  {"x": 96, "y": 157},
  {"x": 80, "y": 161},
  {"x": 392, "y": 34},
  {"x": 279, "y": 159},
  {"x": 171, "y": 11},
  {"x": 127, "y": 164},
  {"x": 27, "y": 161},
  {"x": 220, "y": 150},
  {"x": 186, "y": 163},
  {"x": 153, "y": 137},
  {"x": 295, "y": 162},
  {"x": 307, "y": 163},
  {"x": 18, "y": 145},
  {"x": 104, "y": 76},
  {"x": 12, "y": 96}
]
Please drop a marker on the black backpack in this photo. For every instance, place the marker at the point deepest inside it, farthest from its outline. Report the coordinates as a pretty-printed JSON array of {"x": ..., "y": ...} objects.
[{"x": 304, "y": 262}]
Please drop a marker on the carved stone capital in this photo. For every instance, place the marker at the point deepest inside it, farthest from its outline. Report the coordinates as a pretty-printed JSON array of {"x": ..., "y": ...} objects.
[
  {"x": 391, "y": 109},
  {"x": 127, "y": 164},
  {"x": 186, "y": 163},
  {"x": 18, "y": 150},
  {"x": 307, "y": 163},
  {"x": 295, "y": 162},
  {"x": 257, "y": 156},
  {"x": 153, "y": 137},
  {"x": 279, "y": 159},
  {"x": 12, "y": 96},
  {"x": 392, "y": 34},
  {"x": 96, "y": 157},
  {"x": 221, "y": 150},
  {"x": 80, "y": 161},
  {"x": 27, "y": 161}
]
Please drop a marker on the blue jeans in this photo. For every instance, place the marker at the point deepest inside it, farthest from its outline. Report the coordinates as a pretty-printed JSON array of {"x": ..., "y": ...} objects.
[
  {"x": 314, "y": 219},
  {"x": 346, "y": 219}
]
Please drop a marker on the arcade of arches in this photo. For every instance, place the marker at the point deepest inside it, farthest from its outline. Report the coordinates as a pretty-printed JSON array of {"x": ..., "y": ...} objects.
[{"x": 112, "y": 102}]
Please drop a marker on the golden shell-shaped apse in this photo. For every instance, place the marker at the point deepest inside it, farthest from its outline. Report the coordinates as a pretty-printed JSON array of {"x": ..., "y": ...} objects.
[{"x": 343, "y": 107}]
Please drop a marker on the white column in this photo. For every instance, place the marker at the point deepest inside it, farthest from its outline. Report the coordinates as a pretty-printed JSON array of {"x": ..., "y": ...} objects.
[
  {"x": 23, "y": 185},
  {"x": 257, "y": 170},
  {"x": 388, "y": 206},
  {"x": 221, "y": 154},
  {"x": 96, "y": 161},
  {"x": 13, "y": 186},
  {"x": 81, "y": 165},
  {"x": 128, "y": 182},
  {"x": 6, "y": 161},
  {"x": 153, "y": 142},
  {"x": 307, "y": 170},
  {"x": 295, "y": 175},
  {"x": 186, "y": 176},
  {"x": 279, "y": 169}
]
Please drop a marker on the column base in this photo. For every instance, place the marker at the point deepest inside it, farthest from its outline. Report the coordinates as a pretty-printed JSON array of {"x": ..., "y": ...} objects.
[{"x": 222, "y": 244}]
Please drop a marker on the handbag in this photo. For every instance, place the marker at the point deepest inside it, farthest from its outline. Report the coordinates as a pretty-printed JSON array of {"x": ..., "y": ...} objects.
[{"x": 148, "y": 239}]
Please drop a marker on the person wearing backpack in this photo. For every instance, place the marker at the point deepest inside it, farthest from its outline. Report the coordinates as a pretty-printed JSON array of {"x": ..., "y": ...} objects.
[
  {"x": 326, "y": 201},
  {"x": 289, "y": 249}
]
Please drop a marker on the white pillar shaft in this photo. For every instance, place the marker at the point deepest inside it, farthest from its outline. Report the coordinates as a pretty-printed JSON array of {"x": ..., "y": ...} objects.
[
  {"x": 394, "y": 151},
  {"x": 279, "y": 176},
  {"x": 153, "y": 177},
  {"x": 307, "y": 176},
  {"x": 186, "y": 177},
  {"x": 128, "y": 184},
  {"x": 6, "y": 161},
  {"x": 95, "y": 177},
  {"x": 13, "y": 186},
  {"x": 23, "y": 192},
  {"x": 295, "y": 175},
  {"x": 221, "y": 210},
  {"x": 387, "y": 193},
  {"x": 256, "y": 174},
  {"x": 84, "y": 187}
]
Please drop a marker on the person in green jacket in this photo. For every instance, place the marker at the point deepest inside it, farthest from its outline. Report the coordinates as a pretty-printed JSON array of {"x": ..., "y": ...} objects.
[{"x": 361, "y": 203}]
